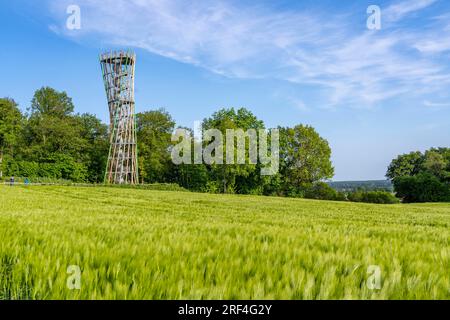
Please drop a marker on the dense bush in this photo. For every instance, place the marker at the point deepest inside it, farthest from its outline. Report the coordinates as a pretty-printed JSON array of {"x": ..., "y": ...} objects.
[
  {"x": 55, "y": 168},
  {"x": 322, "y": 191},
  {"x": 381, "y": 197},
  {"x": 422, "y": 188},
  {"x": 212, "y": 187},
  {"x": 39, "y": 180},
  {"x": 153, "y": 186}
]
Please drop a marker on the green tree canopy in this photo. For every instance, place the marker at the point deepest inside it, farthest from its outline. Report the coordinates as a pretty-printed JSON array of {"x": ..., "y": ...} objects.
[
  {"x": 422, "y": 177},
  {"x": 49, "y": 134},
  {"x": 48, "y": 101},
  {"x": 305, "y": 157},
  {"x": 405, "y": 165},
  {"x": 54, "y": 142},
  {"x": 154, "y": 131},
  {"x": 11, "y": 122},
  {"x": 51, "y": 141},
  {"x": 436, "y": 162},
  {"x": 95, "y": 145},
  {"x": 225, "y": 176}
]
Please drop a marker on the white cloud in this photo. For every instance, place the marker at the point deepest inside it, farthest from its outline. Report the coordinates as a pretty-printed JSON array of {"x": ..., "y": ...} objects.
[
  {"x": 351, "y": 66},
  {"x": 399, "y": 10},
  {"x": 433, "y": 46},
  {"x": 436, "y": 105}
]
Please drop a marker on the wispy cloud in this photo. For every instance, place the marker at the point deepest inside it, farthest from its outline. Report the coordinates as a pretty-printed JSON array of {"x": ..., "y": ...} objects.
[
  {"x": 399, "y": 10},
  {"x": 436, "y": 39},
  {"x": 436, "y": 105},
  {"x": 351, "y": 66},
  {"x": 433, "y": 46}
]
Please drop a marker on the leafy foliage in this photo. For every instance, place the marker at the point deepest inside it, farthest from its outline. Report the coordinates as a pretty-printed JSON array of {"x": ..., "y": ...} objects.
[
  {"x": 422, "y": 177},
  {"x": 11, "y": 123},
  {"x": 52, "y": 141},
  {"x": 304, "y": 156},
  {"x": 154, "y": 130},
  {"x": 322, "y": 191},
  {"x": 229, "y": 175},
  {"x": 49, "y": 102},
  {"x": 57, "y": 144},
  {"x": 381, "y": 197},
  {"x": 423, "y": 187}
]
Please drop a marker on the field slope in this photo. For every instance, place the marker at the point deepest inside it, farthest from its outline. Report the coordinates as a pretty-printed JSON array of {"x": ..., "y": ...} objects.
[{"x": 139, "y": 244}]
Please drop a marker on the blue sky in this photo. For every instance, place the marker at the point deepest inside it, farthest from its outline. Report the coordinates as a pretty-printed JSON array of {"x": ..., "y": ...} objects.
[{"x": 373, "y": 94}]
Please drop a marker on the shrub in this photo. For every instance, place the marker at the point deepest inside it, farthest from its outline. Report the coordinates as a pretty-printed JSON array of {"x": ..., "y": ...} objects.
[
  {"x": 28, "y": 169},
  {"x": 152, "y": 186},
  {"x": 423, "y": 187},
  {"x": 212, "y": 187},
  {"x": 320, "y": 191},
  {"x": 55, "y": 168},
  {"x": 381, "y": 197},
  {"x": 341, "y": 196},
  {"x": 49, "y": 170}
]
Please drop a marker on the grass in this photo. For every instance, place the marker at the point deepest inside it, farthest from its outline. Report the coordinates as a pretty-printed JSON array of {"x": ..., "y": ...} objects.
[{"x": 144, "y": 244}]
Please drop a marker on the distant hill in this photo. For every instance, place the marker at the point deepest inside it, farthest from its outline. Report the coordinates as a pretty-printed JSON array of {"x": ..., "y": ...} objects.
[{"x": 371, "y": 185}]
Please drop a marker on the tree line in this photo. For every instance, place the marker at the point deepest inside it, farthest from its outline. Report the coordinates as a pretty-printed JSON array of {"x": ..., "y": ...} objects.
[{"x": 51, "y": 140}]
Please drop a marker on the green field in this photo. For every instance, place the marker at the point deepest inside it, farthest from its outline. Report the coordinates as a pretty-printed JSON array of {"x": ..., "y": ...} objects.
[{"x": 141, "y": 244}]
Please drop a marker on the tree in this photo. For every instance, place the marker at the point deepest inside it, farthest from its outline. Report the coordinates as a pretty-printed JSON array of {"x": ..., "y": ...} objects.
[
  {"x": 421, "y": 177},
  {"x": 65, "y": 145},
  {"x": 48, "y": 101},
  {"x": 405, "y": 165},
  {"x": 230, "y": 176},
  {"x": 95, "y": 147},
  {"x": 423, "y": 187},
  {"x": 305, "y": 157},
  {"x": 436, "y": 163},
  {"x": 51, "y": 127},
  {"x": 11, "y": 121},
  {"x": 48, "y": 135},
  {"x": 191, "y": 176},
  {"x": 154, "y": 130}
]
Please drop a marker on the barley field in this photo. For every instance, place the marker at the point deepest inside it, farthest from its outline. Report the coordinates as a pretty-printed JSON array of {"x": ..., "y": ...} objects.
[{"x": 141, "y": 244}]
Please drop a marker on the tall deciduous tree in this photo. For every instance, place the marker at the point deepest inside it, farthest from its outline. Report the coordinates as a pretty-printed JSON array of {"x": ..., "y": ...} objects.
[
  {"x": 305, "y": 157},
  {"x": 66, "y": 145},
  {"x": 435, "y": 163},
  {"x": 226, "y": 175},
  {"x": 11, "y": 121},
  {"x": 51, "y": 127},
  {"x": 95, "y": 146},
  {"x": 405, "y": 165},
  {"x": 48, "y": 101},
  {"x": 154, "y": 131},
  {"x": 422, "y": 177}
]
